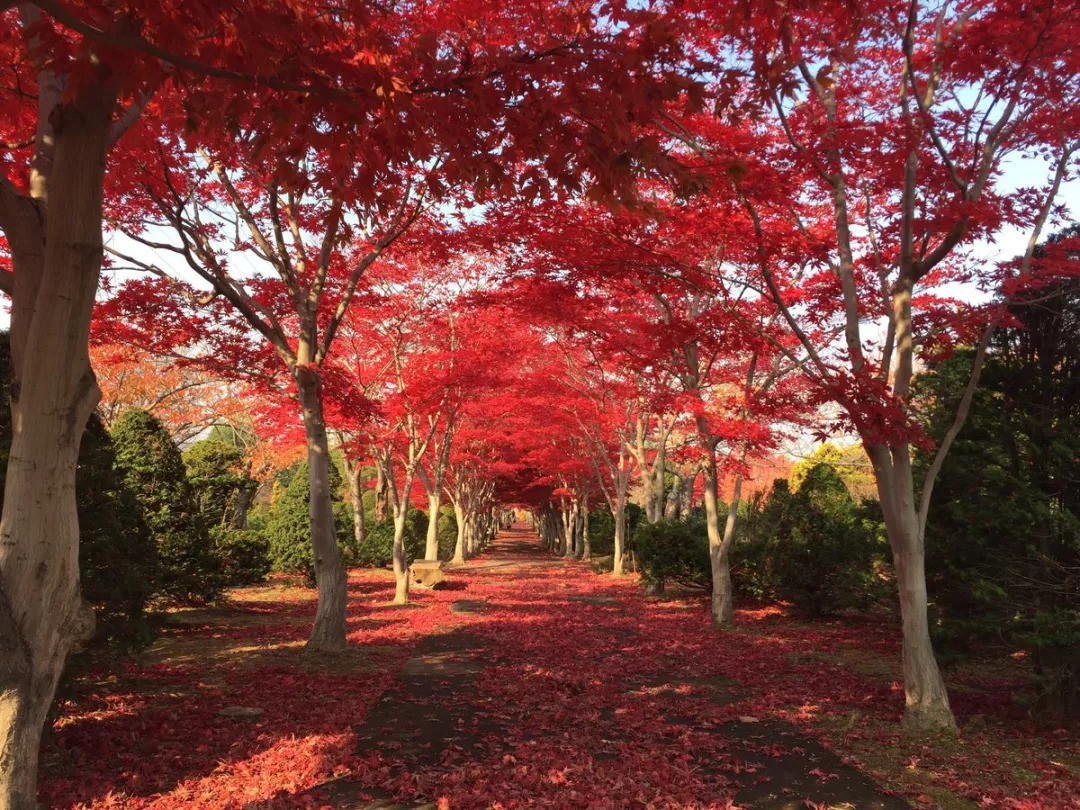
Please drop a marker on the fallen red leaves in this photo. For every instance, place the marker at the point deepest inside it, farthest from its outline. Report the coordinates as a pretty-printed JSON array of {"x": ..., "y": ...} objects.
[{"x": 601, "y": 698}]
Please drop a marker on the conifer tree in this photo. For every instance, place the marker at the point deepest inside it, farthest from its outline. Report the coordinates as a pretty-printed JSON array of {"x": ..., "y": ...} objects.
[{"x": 152, "y": 467}]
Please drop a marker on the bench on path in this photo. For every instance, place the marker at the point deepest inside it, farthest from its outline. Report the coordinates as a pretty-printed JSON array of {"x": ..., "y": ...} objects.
[{"x": 427, "y": 573}]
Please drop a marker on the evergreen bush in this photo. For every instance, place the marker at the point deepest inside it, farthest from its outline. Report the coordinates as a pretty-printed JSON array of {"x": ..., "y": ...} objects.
[
  {"x": 118, "y": 560},
  {"x": 815, "y": 548},
  {"x": 151, "y": 466},
  {"x": 673, "y": 551},
  {"x": 244, "y": 554},
  {"x": 288, "y": 525},
  {"x": 378, "y": 547},
  {"x": 447, "y": 533}
]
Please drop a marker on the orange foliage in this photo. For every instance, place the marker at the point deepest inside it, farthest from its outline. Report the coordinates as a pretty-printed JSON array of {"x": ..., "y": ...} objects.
[
  {"x": 186, "y": 400},
  {"x": 758, "y": 477}
]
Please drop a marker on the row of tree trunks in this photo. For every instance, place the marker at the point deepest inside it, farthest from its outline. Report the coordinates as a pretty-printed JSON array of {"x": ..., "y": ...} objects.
[
  {"x": 564, "y": 527},
  {"x": 477, "y": 518}
]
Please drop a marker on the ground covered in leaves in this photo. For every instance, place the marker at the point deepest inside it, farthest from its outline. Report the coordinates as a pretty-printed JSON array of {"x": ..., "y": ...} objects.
[{"x": 532, "y": 682}]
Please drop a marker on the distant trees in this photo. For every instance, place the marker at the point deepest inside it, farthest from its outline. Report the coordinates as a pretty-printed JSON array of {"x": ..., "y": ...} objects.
[{"x": 187, "y": 400}]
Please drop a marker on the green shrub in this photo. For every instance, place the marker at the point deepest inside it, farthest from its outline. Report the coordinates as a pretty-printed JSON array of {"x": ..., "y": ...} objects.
[
  {"x": 601, "y": 532},
  {"x": 244, "y": 554},
  {"x": 346, "y": 536},
  {"x": 602, "y": 529},
  {"x": 815, "y": 548},
  {"x": 635, "y": 516},
  {"x": 151, "y": 466},
  {"x": 378, "y": 547},
  {"x": 288, "y": 525},
  {"x": 447, "y": 532},
  {"x": 673, "y": 551}
]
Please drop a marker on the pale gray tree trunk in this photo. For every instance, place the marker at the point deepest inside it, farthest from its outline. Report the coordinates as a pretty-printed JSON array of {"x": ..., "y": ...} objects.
[
  {"x": 459, "y": 546},
  {"x": 579, "y": 547},
  {"x": 399, "y": 500},
  {"x": 619, "y": 515},
  {"x": 586, "y": 548},
  {"x": 431, "y": 546},
  {"x": 356, "y": 491},
  {"x": 723, "y": 612},
  {"x": 401, "y": 567},
  {"x": 926, "y": 699},
  {"x": 382, "y": 509},
  {"x": 688, "y": 494},
  {"x": 57, "y": 264},
  {"x": 674, "y": 501},
  {"x": 568, "y": 521},
  {"x": 328, "y": 632},
  {"x": 658, "y": 471}
]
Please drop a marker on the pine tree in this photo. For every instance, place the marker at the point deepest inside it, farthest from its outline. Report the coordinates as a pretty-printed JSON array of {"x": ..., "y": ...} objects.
[{"x": 221, "y": 482}]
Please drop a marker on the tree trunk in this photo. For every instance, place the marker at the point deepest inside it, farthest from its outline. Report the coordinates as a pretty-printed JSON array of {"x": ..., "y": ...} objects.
[
  {"x": 328, "y": 633},
  {"x": 459, "y": 546},
  {"x": 401, "y": 568},
  {"x": 431, "y": 547},
  {"x": 401, "y": 565},
  {"x": 238, "y": 519},
  {"x": 659, "y": 468},
  {"x": 586, "y": 553},
  {"x": 926, "y": 701},
  {"x": 382, "y": 495},
  {"x": 688, "y": 494},
  {"x": 648, "y": 494},
  {"x": 42, "y": 615},
  {"x": 723, "y": 609},
  {"x": 619, "y": 514},
  {"x": 674, "y": 501},
  {"x": 356, "y": 490},
  {"x": 568, "y": 520}
]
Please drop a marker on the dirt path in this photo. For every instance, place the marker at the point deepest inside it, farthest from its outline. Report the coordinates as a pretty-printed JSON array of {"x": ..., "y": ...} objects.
[{"x": 545, "y": 685}]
